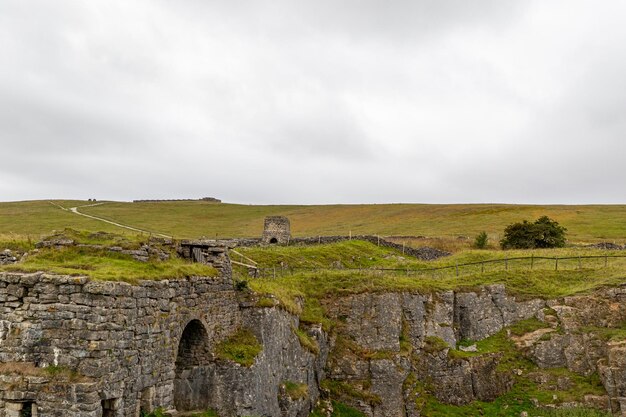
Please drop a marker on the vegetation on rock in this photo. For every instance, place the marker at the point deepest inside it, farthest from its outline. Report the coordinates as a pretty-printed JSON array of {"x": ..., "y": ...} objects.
[
  {"x": 242, "y": 348},
  {"x": 296, "y": 391}
]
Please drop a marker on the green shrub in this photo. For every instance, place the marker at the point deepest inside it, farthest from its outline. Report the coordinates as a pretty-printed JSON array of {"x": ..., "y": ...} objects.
[
  {"x": 543, "y": 233},
  {"x": 480, "y": 242},
  {"x": 241, "y": 285}
]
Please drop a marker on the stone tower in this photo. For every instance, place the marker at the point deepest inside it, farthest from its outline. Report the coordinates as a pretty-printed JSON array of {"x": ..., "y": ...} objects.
[{"x": 277, "y": 230}]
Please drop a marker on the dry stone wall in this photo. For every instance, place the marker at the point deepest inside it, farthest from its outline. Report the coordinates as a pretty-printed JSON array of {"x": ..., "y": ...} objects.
[
  {"x": 121, "y": 337},
  {"x": 70, "y": 346}
]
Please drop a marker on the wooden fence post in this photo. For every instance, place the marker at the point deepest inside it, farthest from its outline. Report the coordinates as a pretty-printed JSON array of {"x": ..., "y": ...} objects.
[
  {"x": 532, "y": 261},
  {"x": 556, "y": 263},
  {"x": 482, "y": 267},
  {"x": 506, "y": 263},
  {"x": 457, "y": 268},
  {"x": 606, "y": 260}
]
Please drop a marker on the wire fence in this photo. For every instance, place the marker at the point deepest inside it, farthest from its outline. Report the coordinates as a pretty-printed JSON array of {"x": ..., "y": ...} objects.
[{"x": 525, "y": 263}]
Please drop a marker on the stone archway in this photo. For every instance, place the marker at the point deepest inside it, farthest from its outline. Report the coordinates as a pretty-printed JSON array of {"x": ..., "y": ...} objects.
[{"x": 192, "y": 381}]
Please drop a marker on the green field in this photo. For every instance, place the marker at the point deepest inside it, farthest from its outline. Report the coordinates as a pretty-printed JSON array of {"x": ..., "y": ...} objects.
[
  {"x": 305, "y": 279},
  {"x": 191, "y": 219}
]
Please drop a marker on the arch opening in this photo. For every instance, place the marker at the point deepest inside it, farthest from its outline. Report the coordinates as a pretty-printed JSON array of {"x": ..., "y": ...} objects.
[
  {"x": 273, "y": 240},
  {"x": 192, "y": 381}
]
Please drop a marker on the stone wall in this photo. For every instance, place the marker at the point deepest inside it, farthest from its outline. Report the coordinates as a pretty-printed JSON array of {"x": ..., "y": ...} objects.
[
  {"x": 122, "y": 337},
  {"x": 70, "y": 346},
  {"x": 424, "y": 253}
]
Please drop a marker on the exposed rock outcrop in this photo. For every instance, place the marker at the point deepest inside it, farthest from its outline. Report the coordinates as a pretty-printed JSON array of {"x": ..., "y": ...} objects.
[
  {"x": 77, "y": 347},
  {"x": 591, "y": 338},
  {"x": 385, "y": 338}
]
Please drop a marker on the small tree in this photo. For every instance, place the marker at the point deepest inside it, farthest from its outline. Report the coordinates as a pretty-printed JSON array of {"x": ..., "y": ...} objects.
[
  {"x": 549, "y": 234},
  {"x": 543, "y": 233},
  {"x": 481, "y": 240}
]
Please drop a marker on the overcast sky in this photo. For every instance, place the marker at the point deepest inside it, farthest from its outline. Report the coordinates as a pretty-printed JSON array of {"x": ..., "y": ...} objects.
[{"x": 325, "y": 101}]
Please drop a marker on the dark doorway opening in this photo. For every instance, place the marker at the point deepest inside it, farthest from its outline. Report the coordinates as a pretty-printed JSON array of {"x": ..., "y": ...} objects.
[
  {"x": 192, "y": 382},
  {"x": 273, "y": 240},
  {"x": 193, "y": 349},
  {"x": 108, "y": 407},
  {"x": 27, "y": 409}
]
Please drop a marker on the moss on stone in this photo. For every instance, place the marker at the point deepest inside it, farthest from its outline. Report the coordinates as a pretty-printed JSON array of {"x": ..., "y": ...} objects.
[
  {"x": 242, "y": 348},
  {"x": 307, "y": 341},
  {"x": 434, "y": 344},
  {"x": 296, "y": 391}
]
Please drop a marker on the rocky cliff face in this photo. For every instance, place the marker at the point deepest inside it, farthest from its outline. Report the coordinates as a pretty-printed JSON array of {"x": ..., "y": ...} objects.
[
  {"x": 261, "y": 390},
  {"x": 389, "y": 351},
  {"x": 387, "y": 344},
  {"x": 117, "y": 349},
  {"x": 587, "y": 335}
]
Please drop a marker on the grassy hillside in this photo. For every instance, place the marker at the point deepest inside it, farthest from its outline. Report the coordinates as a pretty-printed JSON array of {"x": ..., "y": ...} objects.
[
  {"x": 542, "y": 281},
  {"x": 41, "y": 217},
  {"x": 97, "y": 262},
  {"x": 196, "y": 218}
]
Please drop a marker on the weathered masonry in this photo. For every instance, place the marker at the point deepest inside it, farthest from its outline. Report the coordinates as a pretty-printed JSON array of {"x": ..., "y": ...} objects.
[
  {"x": 277, "y": 229},
  {"x": 70, "y": 346}
]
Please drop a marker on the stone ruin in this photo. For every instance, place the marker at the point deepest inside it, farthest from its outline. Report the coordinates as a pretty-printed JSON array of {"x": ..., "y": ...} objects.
[
  {"x": 71, "y": 346},
  {"x": 277, "y": 230}
]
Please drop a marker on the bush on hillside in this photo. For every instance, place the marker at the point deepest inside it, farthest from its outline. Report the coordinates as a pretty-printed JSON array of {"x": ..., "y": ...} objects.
[
  {"x": 543, "y": 233},
  {"x": 480, "y": 242}
]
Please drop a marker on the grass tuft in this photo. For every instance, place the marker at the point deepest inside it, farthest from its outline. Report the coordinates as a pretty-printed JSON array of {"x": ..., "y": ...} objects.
[
  {"x": 307, "y": 341},
  {"x": 296, "y": 391},
  {"x": 242, "y": 348}
]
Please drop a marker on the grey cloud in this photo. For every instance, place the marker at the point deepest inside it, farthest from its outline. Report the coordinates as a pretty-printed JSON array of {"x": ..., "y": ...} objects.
[
  {"x": 363, "y": 20},
  {"x": 313, "y": 102}
]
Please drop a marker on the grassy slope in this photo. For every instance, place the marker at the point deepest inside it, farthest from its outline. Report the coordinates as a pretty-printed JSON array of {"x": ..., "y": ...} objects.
[
  {"x": 99, "y": 263},
  {"x": 107, "y": 266},
  {"x": 321, "y": 288},
  {"x": 360, "y": 254},
  {"x": 193, "y": 218},
  {"x": 37, "y": 218},
  {"x": 543, "y": 281}
]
